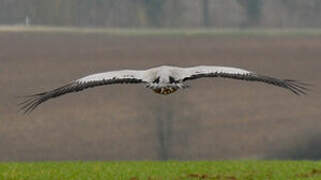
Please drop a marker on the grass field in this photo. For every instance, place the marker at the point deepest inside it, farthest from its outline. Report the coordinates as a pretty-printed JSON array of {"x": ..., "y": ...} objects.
[
  {"x": 165, "y": 32},
  {"x": 222, "y": 170}
]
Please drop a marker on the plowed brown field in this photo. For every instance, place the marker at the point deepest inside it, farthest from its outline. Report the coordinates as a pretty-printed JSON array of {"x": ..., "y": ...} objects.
[{"x": 214, "y": 119}]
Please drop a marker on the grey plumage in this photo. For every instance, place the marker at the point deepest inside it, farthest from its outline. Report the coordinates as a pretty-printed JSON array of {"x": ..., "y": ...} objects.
[{"x": 163, "y": 80}]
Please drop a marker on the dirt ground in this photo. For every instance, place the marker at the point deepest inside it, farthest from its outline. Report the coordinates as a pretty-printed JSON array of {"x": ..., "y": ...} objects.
[{"x": 214, "y": 119}]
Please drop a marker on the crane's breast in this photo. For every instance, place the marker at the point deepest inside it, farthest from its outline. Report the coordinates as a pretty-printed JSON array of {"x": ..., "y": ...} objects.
[{"x": 165, "y": 90}]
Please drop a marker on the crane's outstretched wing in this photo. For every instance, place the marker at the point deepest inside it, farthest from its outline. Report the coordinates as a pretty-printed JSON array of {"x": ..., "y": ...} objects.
[
  {"x": 113, "y": 77},
  {"x": 191, "y": 73}
]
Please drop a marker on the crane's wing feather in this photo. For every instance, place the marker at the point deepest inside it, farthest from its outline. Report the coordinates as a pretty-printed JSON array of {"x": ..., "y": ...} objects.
[
  {"x": 94, "y": 80},
  {"x": 236, "y": 73}
]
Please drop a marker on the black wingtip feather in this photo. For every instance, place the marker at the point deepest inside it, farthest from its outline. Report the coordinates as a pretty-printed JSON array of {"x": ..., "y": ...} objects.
[
  {"x": 33, "y": 101},
  {"x": 296, "y": 87},
  {"x": 30, "y": 104}
]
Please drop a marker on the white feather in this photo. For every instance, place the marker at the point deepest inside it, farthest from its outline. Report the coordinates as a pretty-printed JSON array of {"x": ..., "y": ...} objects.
[
  {"x": 213, "y": 69},
  {"x": 112, "y": 75}
]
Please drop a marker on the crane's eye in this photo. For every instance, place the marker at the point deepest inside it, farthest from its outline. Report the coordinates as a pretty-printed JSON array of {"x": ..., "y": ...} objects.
[
  {"x": 171, "y": 79},
  {"x": 156, "y": 80}
]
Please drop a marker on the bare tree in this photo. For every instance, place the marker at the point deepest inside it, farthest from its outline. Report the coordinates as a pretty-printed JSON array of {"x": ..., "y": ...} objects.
[
  {"x": 154, "y": 10},
  {"x": 170, "y": 113},
  {"x": 253, "y": 9},
  {"x": 164, "y": 114},
  {"x": 206, "y": 18}
]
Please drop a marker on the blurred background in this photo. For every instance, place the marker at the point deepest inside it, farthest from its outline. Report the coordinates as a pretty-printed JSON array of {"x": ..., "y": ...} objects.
[
  {"x": 163, "y": 13},
  {"x": 213, "y": 120}
]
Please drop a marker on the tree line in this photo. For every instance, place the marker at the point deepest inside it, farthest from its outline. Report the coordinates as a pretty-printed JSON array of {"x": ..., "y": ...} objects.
[{"x": 163, "y": 13}]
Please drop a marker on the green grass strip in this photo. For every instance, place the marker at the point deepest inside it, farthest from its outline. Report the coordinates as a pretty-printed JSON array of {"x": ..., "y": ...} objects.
[{"x": 140, "y": 170}]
